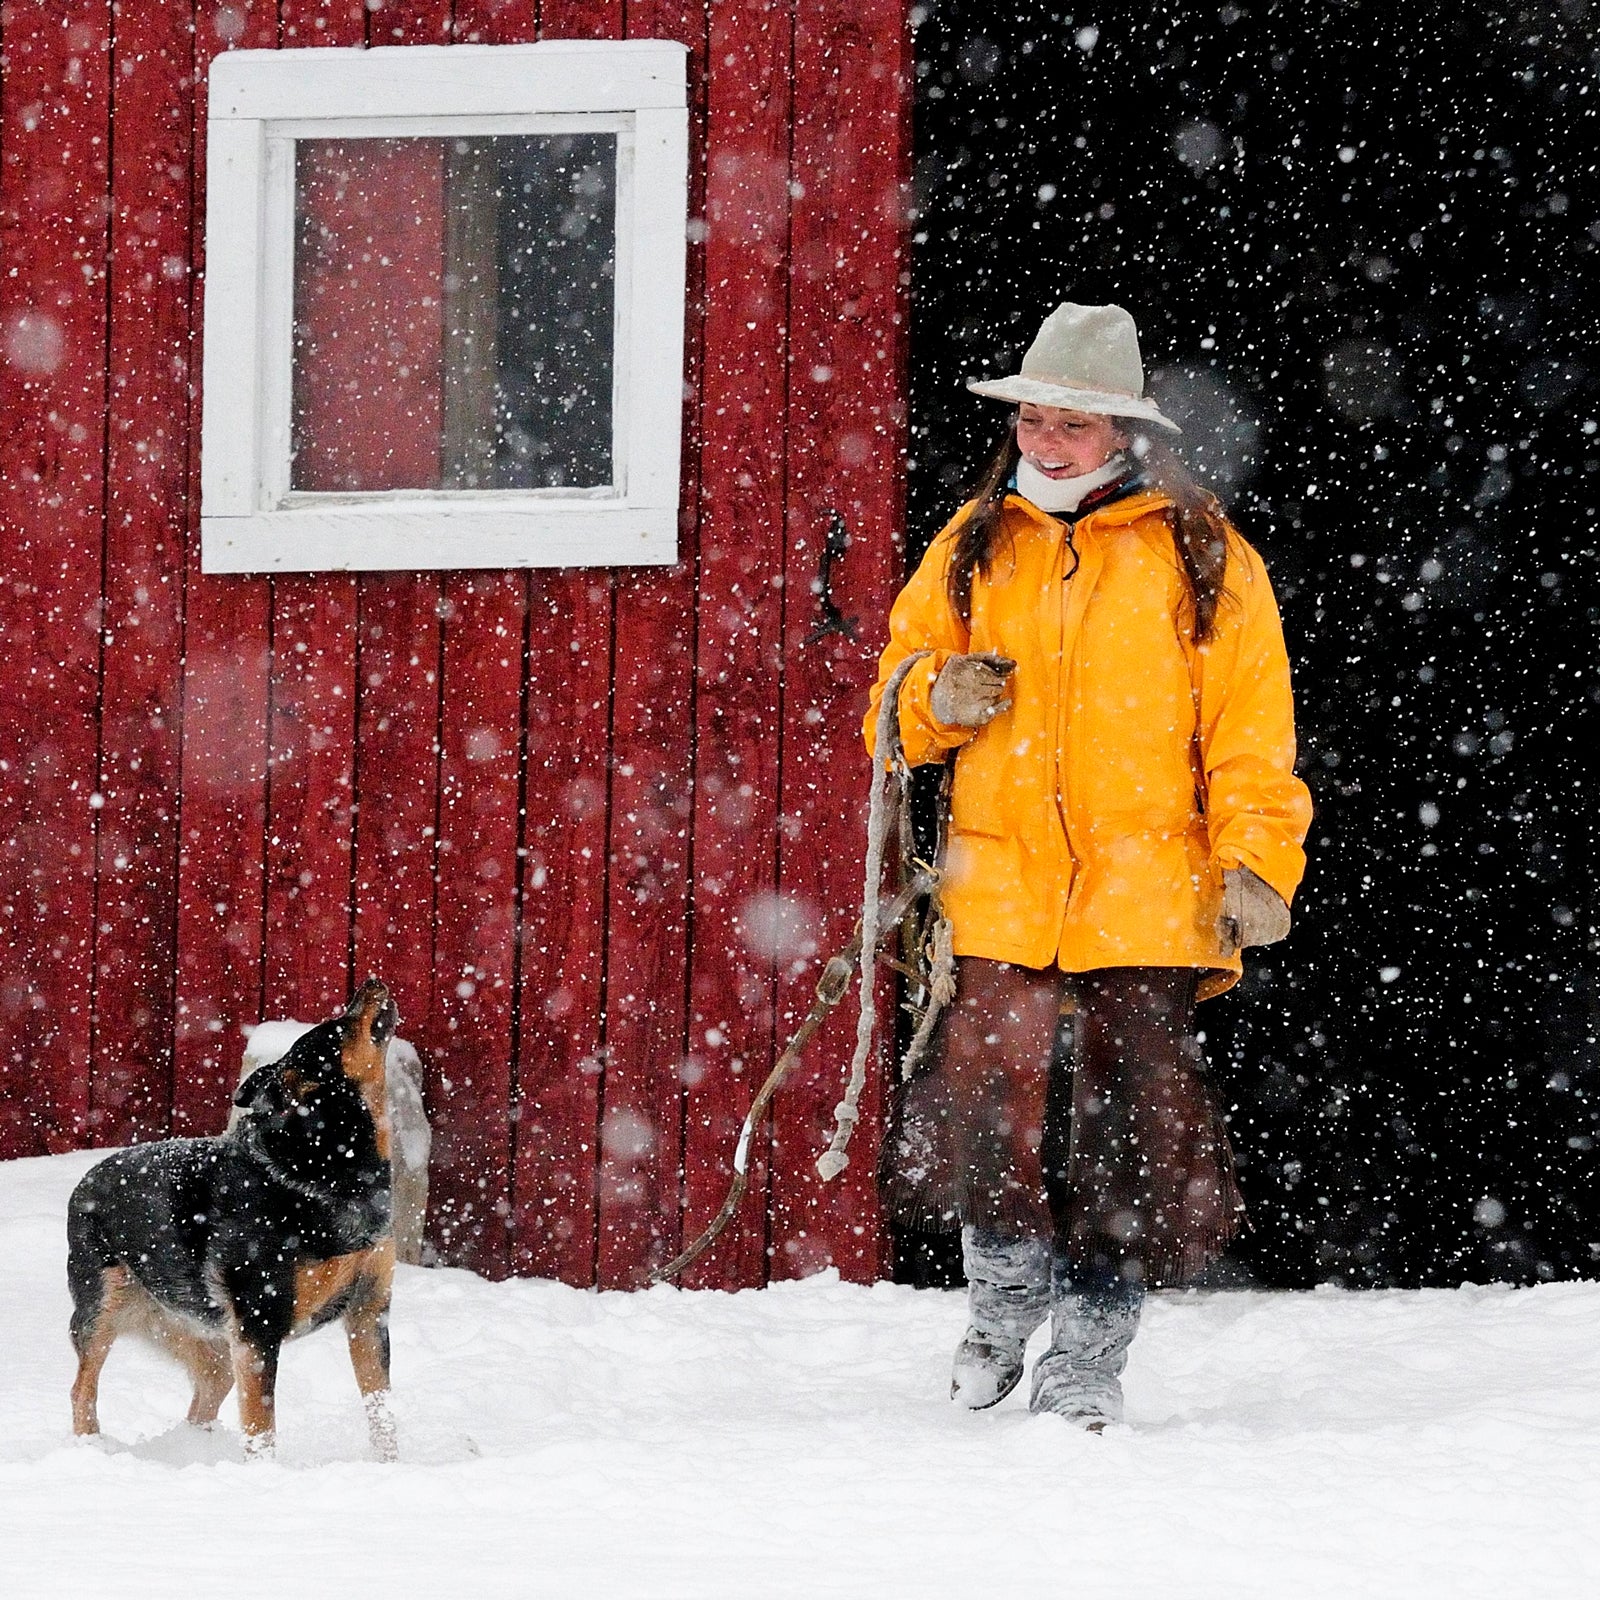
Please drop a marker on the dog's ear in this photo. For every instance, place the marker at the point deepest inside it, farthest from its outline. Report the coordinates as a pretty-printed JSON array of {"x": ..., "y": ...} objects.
[{"x": 256, "y": 1093}]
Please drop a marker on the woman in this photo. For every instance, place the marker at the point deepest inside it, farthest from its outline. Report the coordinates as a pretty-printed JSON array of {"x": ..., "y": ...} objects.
[{"x": 1108, "y": 672}]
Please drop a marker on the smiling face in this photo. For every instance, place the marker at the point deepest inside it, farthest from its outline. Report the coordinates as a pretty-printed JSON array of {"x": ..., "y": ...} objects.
[{"x": 1067, "y": 444}]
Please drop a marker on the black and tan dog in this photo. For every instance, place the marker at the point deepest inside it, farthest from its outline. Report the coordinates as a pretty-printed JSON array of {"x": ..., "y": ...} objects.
[{"x": 220, "y": 1249}]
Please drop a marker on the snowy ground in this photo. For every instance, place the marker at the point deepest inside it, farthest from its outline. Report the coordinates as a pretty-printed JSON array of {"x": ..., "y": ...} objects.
[{"x": 797, "y": 1442}]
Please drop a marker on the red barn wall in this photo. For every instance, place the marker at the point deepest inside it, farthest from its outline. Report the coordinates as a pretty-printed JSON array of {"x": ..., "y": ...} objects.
[{"x": 593, "y": 827}]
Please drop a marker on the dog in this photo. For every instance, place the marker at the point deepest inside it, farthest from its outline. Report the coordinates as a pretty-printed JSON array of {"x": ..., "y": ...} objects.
[
  {"x": 410, "y": 1136},
  {"x": 221, "y": 1249}
]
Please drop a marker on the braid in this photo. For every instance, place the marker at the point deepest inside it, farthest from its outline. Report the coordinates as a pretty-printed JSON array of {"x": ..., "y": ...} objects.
[{"x": 978, "y": 534}]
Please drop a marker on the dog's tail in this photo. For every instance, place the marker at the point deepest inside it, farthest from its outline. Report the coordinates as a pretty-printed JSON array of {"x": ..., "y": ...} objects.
[{"x": 88, "y": 1256}]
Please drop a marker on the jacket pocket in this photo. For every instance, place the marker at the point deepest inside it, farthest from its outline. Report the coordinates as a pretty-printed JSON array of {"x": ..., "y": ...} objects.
[{"x": 972, "y": 820}]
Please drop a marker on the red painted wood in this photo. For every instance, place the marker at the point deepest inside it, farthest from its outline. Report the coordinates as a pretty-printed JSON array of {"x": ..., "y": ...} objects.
[
  {"x": 582, "y": 19},
  {"x": 311, "y": 728},
  {"x": 397, "y": 782},
  {"x": 559, "y": 1043},
  {"x": 369, "y": 313},
  {"x": 408, "y": 22},
  {"x": 305, "y": 24},
  {"x": 222, "y": 816},
  {"x": 495, "y": 21},
  {"x": 647, "y": 932},
  {"x": 54, "y": 186},
  {"x": 641, "y": 1131},
  {"x": 399, "y": 672},
  {"x": 560, "y": 1054},
  {"x": 470, "y": 1031},
  {"x": 647, "y": 872},
  {"x": 146, "y": 528},
  {"x": 846, "y": 450},
  {"x": 596, "y": 730},
  {"x": 741, "y": 927},
  {"x": 309, "y": 847},
  {"x": 222, "y": 810}
]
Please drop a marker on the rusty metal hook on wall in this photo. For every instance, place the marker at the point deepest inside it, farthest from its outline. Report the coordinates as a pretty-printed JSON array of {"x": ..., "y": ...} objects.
[{"x": 830, "y": 618}]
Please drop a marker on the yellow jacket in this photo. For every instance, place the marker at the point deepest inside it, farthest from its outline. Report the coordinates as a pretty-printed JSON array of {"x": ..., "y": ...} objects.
[{"x": 1091, "y": 822}]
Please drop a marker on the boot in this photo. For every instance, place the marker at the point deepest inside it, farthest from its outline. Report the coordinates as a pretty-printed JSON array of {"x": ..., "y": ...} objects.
[
  {"x": 1091, "y": 1327},
  {"x": 1008, "y": 1296}
]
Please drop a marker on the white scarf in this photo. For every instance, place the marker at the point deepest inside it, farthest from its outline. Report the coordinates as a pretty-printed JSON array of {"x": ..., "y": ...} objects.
[{"x": 1056, "y": 495}]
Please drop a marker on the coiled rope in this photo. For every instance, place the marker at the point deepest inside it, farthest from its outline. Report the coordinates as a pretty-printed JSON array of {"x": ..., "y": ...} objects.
[
  {"x": 933, "y": 970},
  {"x": 882, "y": 805}
]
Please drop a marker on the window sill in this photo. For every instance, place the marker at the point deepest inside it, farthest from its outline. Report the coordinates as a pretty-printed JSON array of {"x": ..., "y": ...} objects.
[{"x": 387, "y": 533}]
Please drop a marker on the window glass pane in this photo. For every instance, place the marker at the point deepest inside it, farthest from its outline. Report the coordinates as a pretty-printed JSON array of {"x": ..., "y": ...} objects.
[{"x": 454, "y": 313}]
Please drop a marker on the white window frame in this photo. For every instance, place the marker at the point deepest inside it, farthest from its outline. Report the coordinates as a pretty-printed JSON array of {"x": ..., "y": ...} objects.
[{"x": 260, "y": 102}]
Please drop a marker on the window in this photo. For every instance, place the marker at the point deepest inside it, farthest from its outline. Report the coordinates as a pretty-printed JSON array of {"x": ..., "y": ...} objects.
[{"x": 444, "y": 307}]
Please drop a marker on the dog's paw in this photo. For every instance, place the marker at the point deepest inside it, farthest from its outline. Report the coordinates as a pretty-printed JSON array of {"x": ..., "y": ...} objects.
[{"x": 381, "y": 1429}]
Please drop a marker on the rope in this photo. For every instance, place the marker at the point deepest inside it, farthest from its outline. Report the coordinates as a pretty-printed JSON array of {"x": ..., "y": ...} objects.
[
  {"x": 878, "y": 922},
  {"x": 941, "y": 991},
  {"x": 890, "y": 760},
  {"x": 831, "y": 987}
]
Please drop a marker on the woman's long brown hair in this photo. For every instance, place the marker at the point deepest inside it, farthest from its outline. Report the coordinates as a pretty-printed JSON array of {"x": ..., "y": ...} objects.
[{"x": 1199, "y": 533}]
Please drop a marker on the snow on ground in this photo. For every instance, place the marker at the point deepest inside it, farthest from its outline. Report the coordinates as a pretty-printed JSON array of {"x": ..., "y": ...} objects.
[{"x": 798, "y": 1442}]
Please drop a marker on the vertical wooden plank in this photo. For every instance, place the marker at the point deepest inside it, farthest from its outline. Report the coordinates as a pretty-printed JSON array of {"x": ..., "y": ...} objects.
[
  {"x": 641, "y": 1131},
  {"x": 227, "y": 658},
  {"x": 647, "y": 915},
  {"x": 582, "y": 19},
  {"x": 310, "y": 792},
  {"x": 564, "y": 1043},
  {"x": 494, "y": 21},
  {"x": 408, "y": 21},
  {"x": 399, "y": 687},
  {"x": 560, "y": 1038},
  {"x": 557, "y": 1013},
  {"x": 222, "y": 816},
  {"x": 369, "y": 321},
  {"x": 305, "y": 24},
  {"x": 54, "y": 187},
  {"x": 311, "y": 725},
  {"x": 741, "y": 926},
  {"x": 846, "y": 452},
  {"x": 397, "y": 788},
  {"x": 470, "y": 1031},
  {"x": 146, "y": 526},
  {"x": 473, "y": 983}
]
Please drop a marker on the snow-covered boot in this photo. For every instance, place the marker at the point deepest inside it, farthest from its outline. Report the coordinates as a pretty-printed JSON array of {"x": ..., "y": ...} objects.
[
  {"x": 1008, "y": 1296},
  {"x": 1090, "y": 1331}
]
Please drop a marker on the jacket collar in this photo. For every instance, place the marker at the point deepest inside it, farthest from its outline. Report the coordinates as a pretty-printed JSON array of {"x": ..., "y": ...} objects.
[{"x": 1117, "y": 509}]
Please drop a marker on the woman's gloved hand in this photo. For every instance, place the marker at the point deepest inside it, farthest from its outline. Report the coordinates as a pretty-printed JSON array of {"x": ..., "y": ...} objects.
[
  {"x": 971, "y": 690},
  {"x": 1253, "y": 912}
]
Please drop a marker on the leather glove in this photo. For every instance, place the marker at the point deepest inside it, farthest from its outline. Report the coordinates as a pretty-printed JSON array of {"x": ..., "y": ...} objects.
[
  {"x": 1253, "y": 912},
  {"x": 971, "y": 690}
]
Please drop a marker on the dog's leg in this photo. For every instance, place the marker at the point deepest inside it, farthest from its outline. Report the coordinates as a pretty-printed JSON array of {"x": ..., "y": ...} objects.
[
  {"x": 95, "y": 1327},
  {"x": 211, "y": 1372},
  {"x": 366, "y": 1326},
  {"x": 255, "y": 1370}
]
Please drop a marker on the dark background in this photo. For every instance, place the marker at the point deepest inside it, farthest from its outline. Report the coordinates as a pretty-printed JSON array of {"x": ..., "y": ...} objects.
[{"x": 1361, "y": 251}]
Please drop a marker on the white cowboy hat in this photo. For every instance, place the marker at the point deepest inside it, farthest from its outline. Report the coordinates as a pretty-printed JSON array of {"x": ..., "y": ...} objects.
[{"x": 1085, "y": 358}]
